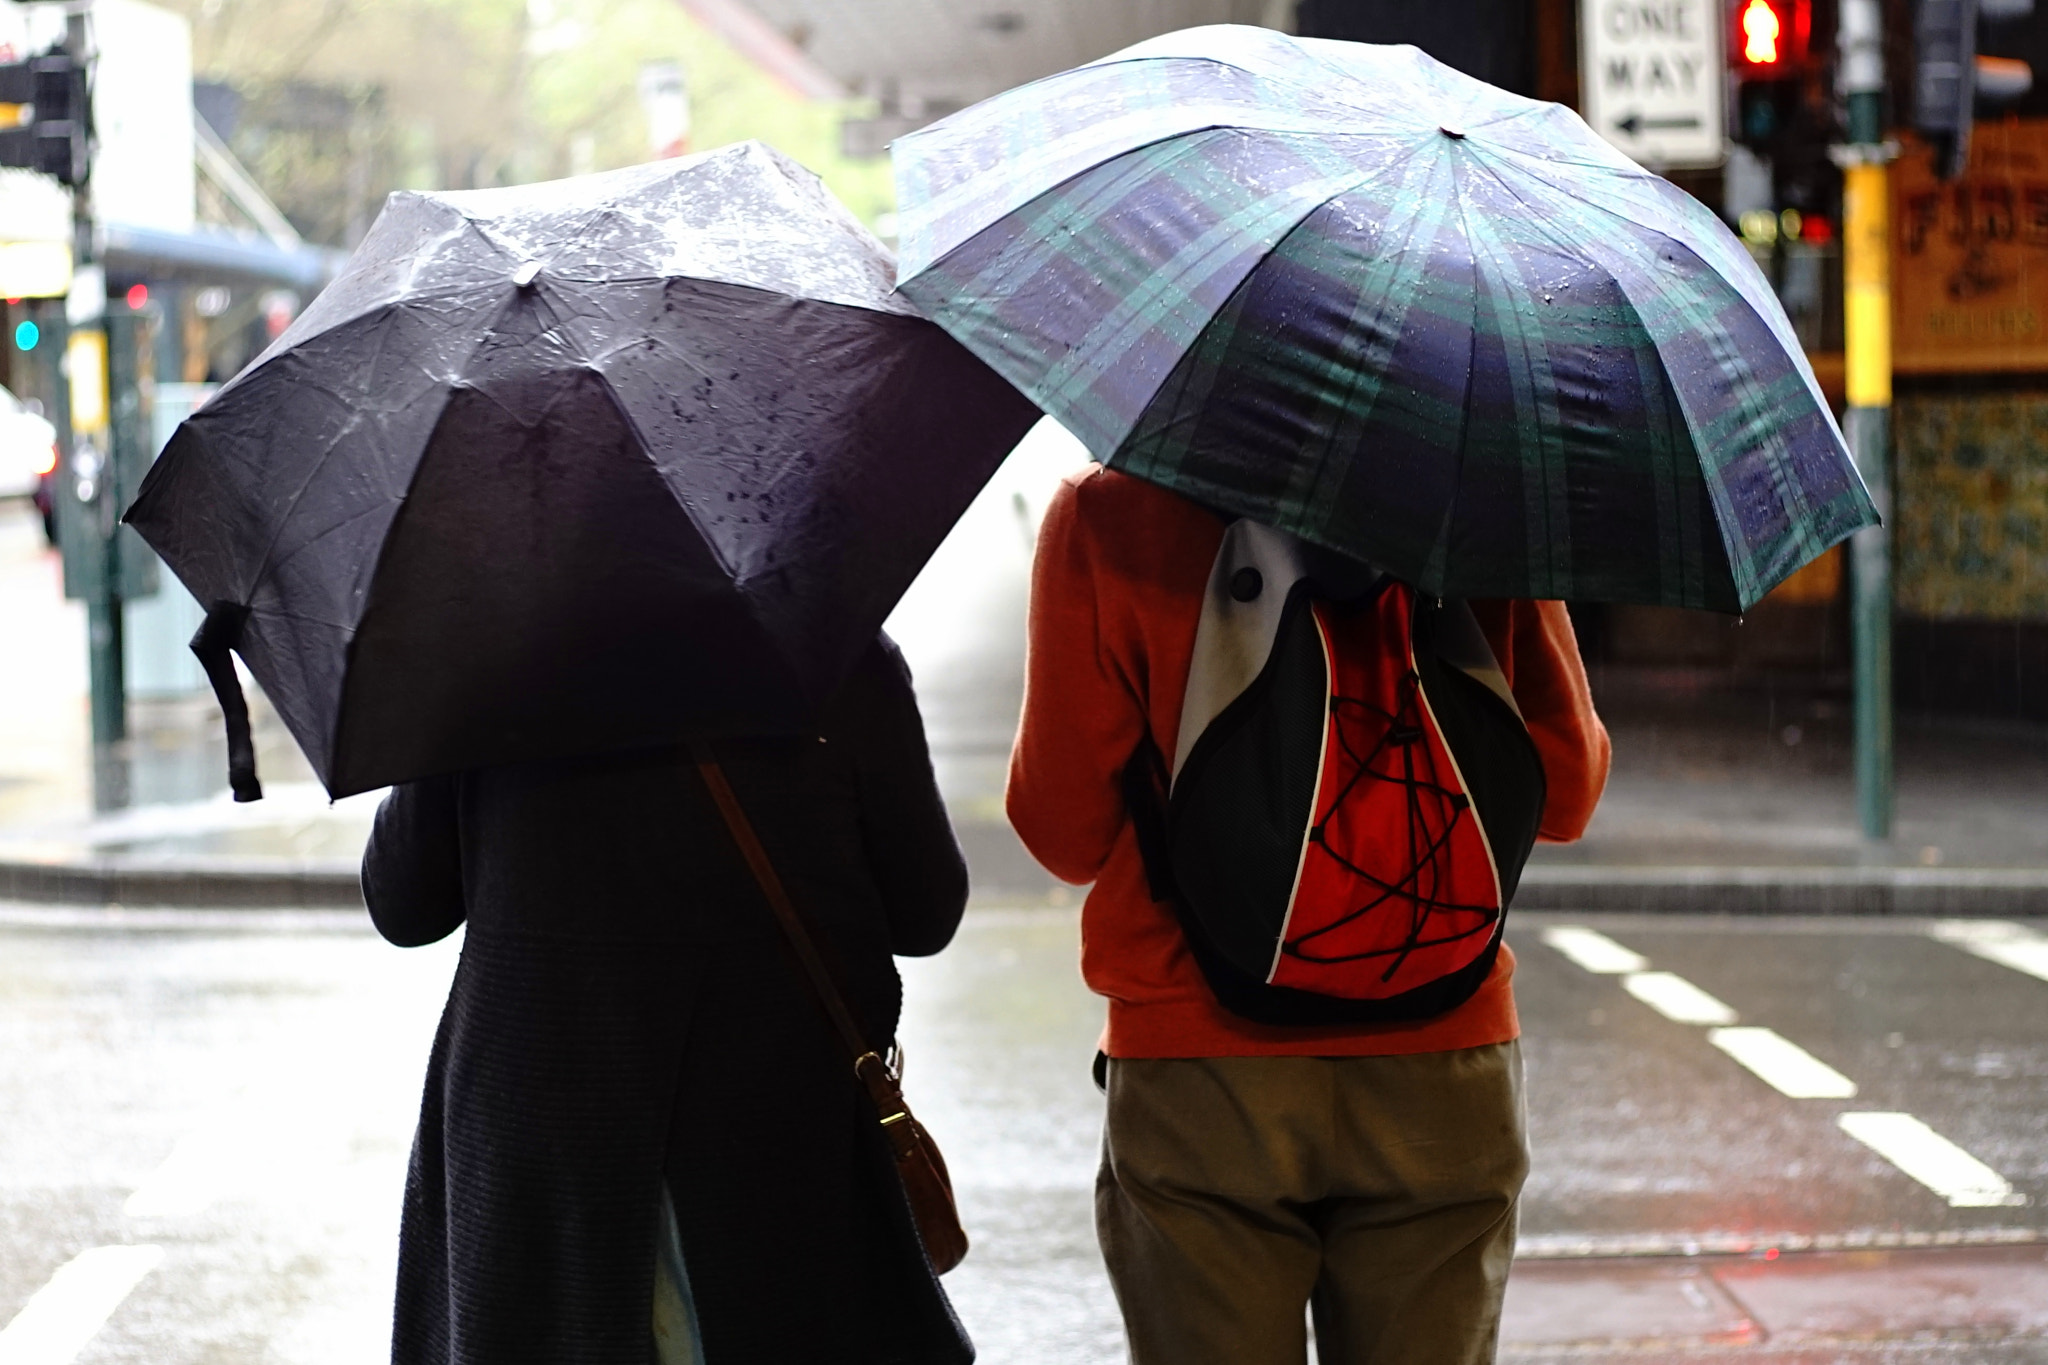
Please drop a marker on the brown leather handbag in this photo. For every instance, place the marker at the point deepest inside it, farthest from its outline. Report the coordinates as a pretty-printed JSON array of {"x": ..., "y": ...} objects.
[{"x": 926, "y": 1184}]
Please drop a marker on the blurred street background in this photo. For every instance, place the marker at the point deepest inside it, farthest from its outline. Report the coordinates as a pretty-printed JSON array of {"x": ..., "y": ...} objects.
[{"x": 1785, "y": 1007}]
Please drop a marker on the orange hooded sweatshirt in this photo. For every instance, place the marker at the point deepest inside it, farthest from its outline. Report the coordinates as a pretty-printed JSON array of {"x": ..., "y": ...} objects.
[{"x": 1116, "y": 593}]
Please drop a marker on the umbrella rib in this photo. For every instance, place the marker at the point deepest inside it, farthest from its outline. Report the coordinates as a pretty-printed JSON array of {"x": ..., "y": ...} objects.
[
  {"x": 327, "y": 532},
  {"x": 709, "y": 542},
  {"x": 264, "y": 564},
  {"x": 1129, "y": 321},
  {"x": 505, "y": 248},
  {"x": 1357, "y": 375},
  {"x": 1538, "y": 218},
  {"x": 316, "y": 312},
  {"x": 1287, "y": 78},
  {"x": 335, "y": 528},
  {"x": 945, "y": 203},
  {"x": 1465, "y": 409},
  {"x": 1792, "y": 496},
  {"x": 1589, "y": 159},
  {"x": 684, "y": 358},
  {"x": 646, "y": 448},
  {"x": 1308, "y": 212},
  {"x": 1526, "y": 354},
  {"x": 1788, "y": 341},
  {"x": 1277, "y": 75},
  {"x": 933, "y": 213},
  {"x": 263, "y": 561},
  {"x": 389, "y": 308},
  {"x": 1788, "y": 490}
]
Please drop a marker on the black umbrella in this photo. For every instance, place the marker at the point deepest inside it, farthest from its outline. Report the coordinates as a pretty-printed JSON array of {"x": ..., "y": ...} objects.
[{"x": 574, "y": 467}]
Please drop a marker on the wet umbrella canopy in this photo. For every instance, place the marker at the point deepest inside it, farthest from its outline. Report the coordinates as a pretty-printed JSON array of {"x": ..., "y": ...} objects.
[
  {"x": 1347, "y": 291},
  {"x": 573, "y": 467}
]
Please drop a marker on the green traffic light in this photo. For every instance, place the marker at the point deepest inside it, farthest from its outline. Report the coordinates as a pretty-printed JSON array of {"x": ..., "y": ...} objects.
[{"x": 27, "y": 335}]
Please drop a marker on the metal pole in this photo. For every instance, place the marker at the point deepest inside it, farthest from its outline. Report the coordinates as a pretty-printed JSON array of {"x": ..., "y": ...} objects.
[
  {"x": 1867, "y": 328},
  {"x": 92, "y": 469}
]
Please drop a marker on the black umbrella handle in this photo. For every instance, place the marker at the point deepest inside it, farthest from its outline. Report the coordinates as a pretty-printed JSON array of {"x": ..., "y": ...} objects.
[{"x": 220, "y": 632}]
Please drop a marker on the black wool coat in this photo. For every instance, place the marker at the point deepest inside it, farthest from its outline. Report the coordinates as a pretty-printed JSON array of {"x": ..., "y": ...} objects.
[{"x": 625, "y": 1010}]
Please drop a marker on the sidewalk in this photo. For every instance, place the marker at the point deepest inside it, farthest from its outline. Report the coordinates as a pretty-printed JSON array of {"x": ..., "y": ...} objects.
[
  {"x": 1979, "y": 1305},
  {"x": 1743, "y": 800}
]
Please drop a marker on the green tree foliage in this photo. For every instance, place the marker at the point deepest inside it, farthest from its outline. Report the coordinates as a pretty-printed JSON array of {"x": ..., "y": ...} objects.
[
  {"x": 586, "y": 60},
  {"x": 343, "y": 101}
]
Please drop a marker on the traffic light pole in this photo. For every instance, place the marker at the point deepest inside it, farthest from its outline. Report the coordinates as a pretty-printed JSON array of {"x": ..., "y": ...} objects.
[
  {"x": 89, "y": 479},
  {"x": 1867, "y": 327}
]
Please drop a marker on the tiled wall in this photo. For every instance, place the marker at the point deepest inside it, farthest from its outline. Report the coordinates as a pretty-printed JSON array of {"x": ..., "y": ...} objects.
[{"x": 1970, "y": 532}]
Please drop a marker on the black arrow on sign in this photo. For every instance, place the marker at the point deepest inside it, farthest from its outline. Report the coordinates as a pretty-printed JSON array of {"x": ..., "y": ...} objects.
[{"x": 1636, "y": 123}]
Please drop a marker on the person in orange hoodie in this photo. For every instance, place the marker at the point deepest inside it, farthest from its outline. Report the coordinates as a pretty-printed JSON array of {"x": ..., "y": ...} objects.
[{"x": 1369, "y": 1172}]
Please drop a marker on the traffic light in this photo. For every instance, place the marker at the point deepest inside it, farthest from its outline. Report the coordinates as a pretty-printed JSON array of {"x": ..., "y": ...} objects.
[
  {"x": 53, "y": 100},
  {"x": 1950, "y": 78},
  {"x": 1767, "y": 50}
]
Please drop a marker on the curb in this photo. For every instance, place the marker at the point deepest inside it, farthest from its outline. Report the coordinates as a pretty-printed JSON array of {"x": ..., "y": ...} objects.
[
  {"x": 1927, "y": 891},
  {"x": 226, "y": 883},
  {"x": 1003, "y": 872}
]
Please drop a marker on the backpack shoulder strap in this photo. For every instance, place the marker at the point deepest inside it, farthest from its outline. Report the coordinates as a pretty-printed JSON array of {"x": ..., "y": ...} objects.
[
  {"x": 1255, "y": 570},
  {"x": 1455, "y": 638}
]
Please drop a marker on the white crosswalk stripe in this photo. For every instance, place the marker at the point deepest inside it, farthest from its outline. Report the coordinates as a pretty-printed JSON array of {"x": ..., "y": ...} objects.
[
  {"x": 256, "y": 1145},
  {"x": 1783, "y": 1064},
  {"x": 1905, "y": 1141},
  {"x": 1931, "y": 1159},
  {"x": 1677, "y": 999},
  {"x": 189, "y": 1180},
  {"x": 2001, "y": 941},
  {"x": 1593, "y": 950},
  {"x": 65, "y": 1314}
]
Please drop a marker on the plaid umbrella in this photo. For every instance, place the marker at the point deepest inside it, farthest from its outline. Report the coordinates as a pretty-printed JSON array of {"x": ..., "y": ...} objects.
[{"x": 1349, "y": 292}]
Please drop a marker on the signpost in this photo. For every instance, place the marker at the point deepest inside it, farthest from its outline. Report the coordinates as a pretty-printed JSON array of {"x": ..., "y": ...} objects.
[
  {"x": 1652, "y": 80},
  {"x": 1867, "y": 331}
]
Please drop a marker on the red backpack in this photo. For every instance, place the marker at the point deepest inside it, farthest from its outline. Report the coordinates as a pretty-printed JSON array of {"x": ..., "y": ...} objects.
[{"x": 1352, "y": 796}]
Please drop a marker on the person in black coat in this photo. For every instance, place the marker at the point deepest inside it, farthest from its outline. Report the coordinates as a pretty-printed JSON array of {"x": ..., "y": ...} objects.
[{"x": 626, "y": 1013}]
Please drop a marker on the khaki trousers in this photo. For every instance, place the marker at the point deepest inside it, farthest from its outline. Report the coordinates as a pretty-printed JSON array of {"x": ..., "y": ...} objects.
[{"x": 1378, "y": 1191}]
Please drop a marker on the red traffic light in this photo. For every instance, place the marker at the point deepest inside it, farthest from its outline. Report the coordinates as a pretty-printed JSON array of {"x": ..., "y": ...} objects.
[
  {"x": 1769, "y": 38},
  {"x": 1763, "y": 34}
]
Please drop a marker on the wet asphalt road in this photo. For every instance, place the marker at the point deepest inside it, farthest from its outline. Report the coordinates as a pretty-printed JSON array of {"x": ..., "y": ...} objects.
[{"x": 239, "y": 1093}]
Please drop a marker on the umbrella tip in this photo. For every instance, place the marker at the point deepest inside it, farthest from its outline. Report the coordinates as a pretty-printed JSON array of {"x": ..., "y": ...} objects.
[
  {"x": 526, "y": 273},
  {"x": 1452, "y": 131}
]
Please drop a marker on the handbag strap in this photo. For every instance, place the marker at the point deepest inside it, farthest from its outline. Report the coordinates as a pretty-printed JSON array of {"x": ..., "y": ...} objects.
[
  {"x": 927, "y": 1189},
  {"x": 793, "y": 929},
  {"x": 875, "y": 1073}
]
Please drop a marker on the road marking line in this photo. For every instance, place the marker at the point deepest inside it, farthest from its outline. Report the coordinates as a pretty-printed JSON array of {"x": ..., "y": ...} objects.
[
  {"x": 1677, "y": 999},
  {"x": 1931, "y": 1159},
  {"x": 260, "y": 1144},
  {"x": 1593, "y": 950},
  {"x": 65, "y": 1314},
  {"x": 1782, "y": 1064},
  {"x": 188, "y": 1181},
  {"x": 2001, "y": 941}
]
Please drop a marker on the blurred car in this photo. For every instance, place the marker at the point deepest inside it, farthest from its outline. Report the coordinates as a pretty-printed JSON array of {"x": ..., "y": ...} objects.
[{"x": 28, "y": 454}]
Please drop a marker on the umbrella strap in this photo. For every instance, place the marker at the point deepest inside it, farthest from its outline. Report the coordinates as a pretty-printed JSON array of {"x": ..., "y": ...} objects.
[{"x": 220, "y": 632}]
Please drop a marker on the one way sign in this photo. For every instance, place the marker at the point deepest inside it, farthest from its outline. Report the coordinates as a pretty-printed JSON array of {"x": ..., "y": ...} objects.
[{"x": 1651, "y": 78}]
